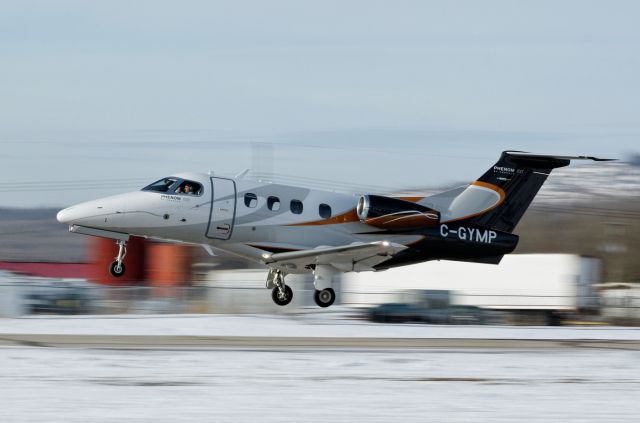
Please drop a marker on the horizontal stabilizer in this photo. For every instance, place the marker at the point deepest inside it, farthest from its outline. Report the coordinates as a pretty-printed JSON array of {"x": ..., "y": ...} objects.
[{"x": 548, "y": 156}]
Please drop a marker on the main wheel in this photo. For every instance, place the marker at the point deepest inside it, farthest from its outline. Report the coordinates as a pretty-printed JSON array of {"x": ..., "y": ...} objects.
[
  {"x": 324, "y": 298},
  {"x": 284, "y": 298},
  {"x": 115, "y": 270}
]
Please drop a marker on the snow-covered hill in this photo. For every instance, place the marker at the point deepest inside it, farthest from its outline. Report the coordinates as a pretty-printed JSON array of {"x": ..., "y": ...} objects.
[{"x": 593, "y": 182}]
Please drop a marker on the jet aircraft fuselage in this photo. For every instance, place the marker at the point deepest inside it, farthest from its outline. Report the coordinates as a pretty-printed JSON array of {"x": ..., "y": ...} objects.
[{"x": 293, "y": 229}]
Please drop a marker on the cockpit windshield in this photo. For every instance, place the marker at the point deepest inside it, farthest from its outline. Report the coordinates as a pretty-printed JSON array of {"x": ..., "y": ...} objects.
[
  {"x": 174, "y": 185},
  {"x": 163, "y": 185}
]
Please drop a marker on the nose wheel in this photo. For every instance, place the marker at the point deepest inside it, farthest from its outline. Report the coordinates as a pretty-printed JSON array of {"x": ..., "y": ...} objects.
[{"x": 117, "y": 267}]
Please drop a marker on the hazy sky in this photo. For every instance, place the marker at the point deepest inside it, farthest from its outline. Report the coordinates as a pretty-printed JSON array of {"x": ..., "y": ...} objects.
[{"x": 385, "y": 93}]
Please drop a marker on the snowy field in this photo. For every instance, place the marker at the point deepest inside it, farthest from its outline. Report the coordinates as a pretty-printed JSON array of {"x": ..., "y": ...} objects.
[
  {"x": 42, "y": 384},
  {"x": 66, "y": 385}
]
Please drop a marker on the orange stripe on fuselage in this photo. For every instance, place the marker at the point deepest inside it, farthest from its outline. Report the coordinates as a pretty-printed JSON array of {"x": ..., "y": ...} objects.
[
  {"x": 347, "y": 217},
  {"x": 350, "y": 216},
  {"x": 492, "y": 187}
]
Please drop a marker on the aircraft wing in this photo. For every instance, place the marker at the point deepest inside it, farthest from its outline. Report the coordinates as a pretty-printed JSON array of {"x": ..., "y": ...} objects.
[{"x": 357, "y": 257}]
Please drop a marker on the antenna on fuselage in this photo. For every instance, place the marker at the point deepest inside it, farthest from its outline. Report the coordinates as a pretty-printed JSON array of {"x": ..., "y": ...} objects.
[
  {"x": 262, "y": 161},
  {"x": 242, "y": 174}
]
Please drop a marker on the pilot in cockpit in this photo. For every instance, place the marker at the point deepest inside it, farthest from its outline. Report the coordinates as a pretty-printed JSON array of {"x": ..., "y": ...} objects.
[{"x": 185, "y": 188}]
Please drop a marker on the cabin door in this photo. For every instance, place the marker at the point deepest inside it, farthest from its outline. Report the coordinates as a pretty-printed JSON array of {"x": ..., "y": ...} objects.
[{"x": 223, "y": 208}]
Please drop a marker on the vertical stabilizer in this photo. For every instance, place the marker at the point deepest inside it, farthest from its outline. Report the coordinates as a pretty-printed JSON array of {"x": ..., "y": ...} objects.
[{"x": 500, "y": 197}]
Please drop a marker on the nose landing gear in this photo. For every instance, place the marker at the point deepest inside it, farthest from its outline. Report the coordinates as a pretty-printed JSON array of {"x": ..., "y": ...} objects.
[{"x": 117, "y": 267}]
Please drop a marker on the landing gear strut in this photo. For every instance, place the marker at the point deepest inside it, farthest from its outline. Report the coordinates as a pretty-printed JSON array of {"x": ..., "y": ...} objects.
[
  {"x": 324, "y": 295},
  {"x": 281, "y": 294},
  {"x": 117, "y": 267}
]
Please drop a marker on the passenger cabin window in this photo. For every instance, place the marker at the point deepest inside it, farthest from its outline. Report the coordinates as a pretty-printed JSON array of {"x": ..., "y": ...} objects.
[
  {"x": 189, "y": 188},
  {"x": 163, "y": 185},
  {"x": 250, "y": 200},
  {"x": 296, "y": 207},
  {"x": 325, "y": 211},
  {"x": 273, "y": 203}
]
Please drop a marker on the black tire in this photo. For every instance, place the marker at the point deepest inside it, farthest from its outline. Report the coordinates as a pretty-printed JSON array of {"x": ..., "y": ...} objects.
[
  {"x": 285, "y": 299},
  {"x": 324, "y": 298},
  {"x": 113, "y": 269}
]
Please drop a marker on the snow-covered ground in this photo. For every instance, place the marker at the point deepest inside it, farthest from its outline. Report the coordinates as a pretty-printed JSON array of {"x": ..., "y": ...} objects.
[
  {"x": 70, "y": 385},
  {"x": 41, "y": 384},
  {"x": 330, "y": 324}
]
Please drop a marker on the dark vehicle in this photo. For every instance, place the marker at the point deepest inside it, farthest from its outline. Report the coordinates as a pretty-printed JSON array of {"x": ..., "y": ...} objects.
[
  {"x": 405, "y": 313},
  {"x": 395, "y": 313},
  {"x": 57, "y": 301},
  {"x": 430, "y": 306}
]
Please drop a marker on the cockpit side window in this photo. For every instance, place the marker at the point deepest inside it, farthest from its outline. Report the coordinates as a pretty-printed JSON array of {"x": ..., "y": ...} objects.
[
  {"x": 163, "y": 185},
  {"x": 189, "y": 188}
]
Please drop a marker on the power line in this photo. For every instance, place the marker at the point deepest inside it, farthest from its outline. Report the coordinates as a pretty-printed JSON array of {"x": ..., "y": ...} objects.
[
  {"x": 326, "y": 184},
  {"x": 74, "y": 181},
  {"x": 70, "y": 185},
  {"x": 578, "y": 211}
]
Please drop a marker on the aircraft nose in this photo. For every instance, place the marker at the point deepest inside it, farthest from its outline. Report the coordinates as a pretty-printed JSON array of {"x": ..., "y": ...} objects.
[
  {"x": 65, "y": 215},
  {"x": 101, "y": 213},
  {"x": 84, "y": 212}
]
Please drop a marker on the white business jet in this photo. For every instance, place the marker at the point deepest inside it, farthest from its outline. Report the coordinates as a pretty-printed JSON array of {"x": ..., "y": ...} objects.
[{"x": 295, "y": 230}]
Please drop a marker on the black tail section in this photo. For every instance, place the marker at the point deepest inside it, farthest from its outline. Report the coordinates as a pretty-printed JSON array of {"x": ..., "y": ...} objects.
[{"x": 519, "y": 175}]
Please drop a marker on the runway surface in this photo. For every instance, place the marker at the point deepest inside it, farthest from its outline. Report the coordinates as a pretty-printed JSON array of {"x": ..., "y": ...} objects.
[
  {"x": 296, "y": 342},
  {"x": 299, "y": 325}
]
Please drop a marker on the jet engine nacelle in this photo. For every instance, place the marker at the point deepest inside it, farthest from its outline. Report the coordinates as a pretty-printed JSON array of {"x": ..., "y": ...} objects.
[{"x": 395, "y": 214}]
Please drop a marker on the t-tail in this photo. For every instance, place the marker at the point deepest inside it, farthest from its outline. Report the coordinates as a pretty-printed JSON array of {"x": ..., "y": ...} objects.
[{"x": 500, "y": 197}]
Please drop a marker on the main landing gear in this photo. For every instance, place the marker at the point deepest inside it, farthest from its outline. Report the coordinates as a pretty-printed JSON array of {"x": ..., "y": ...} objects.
[
  {"x": 322, "y": 281},
  {"x": 324, "y": 295},
  {"x": 117, "y": 267},
  {"x": 281, "y": 293}
]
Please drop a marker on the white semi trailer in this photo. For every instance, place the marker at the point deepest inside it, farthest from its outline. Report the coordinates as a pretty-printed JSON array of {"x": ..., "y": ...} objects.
[{"x": 526, "y": 282}]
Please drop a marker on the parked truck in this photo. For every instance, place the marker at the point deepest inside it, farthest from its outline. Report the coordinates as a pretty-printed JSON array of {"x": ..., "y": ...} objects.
[{"x": 537, "y": 288}]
